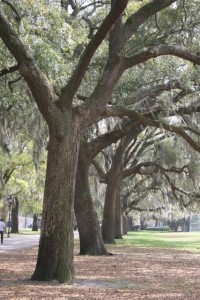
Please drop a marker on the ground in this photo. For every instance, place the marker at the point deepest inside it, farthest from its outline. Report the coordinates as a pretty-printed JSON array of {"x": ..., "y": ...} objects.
[{"x": 132, "y": 273}]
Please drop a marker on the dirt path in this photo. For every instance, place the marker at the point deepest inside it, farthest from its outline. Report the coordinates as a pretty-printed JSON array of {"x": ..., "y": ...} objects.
[{"x": 133, "y": 273}]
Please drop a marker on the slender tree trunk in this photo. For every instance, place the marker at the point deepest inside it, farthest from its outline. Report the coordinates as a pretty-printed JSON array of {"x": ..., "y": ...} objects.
[
  {"x": 143, "y": 224},
  {"x": 35, "y": 223},
  {"x": 118, "y": 215},
  {"x": 91, "y": 242},
  {"x": 108, "y": 223},
  {"x": 125, "y": 224},
  {"x": 129, "y": 223},
  {"x": 55, "y": 256},
  {"x": 14, "y": 216},
  {"x": 4, "y": 211},
  {"x": 113, "y": 180}
]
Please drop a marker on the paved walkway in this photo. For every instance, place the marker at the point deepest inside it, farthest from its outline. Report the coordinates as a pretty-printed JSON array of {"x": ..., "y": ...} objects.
[{"x": 21, "y": 241}]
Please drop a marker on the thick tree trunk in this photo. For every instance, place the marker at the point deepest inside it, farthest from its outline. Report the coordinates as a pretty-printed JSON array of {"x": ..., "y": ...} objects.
[
  {"x": 118, "y": 215},
  {"x": 91, "y": 242},
  {"x": 35, "y": 223},
  {"x": 14, "y": 216},
  {"x": 55, "y": 256}
]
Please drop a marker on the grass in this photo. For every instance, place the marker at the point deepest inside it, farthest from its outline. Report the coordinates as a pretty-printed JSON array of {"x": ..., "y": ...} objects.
[
  {"x": 158, "y": 239},
  {"x": 27, "y": 231}
]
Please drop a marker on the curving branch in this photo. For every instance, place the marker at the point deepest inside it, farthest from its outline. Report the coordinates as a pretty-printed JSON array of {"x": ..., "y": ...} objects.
[
  {"x": 17, "y": 15},
  {"x": 39, "y": 85},
  {"x": 121, "y": 111},
  {"x": 13, "y": 81},
  {"x": 152, "y": 92},
  {"x": 101, "y": 173},
  {"x": 175, "y": 189},
  {"x": 104, "y": 140},
  {"x": 149, "y": 168},
  {"x": 161, "y": 50},
  {"x": 80, "y": 8},
  {"x": 147, "y": 143},
  {"x": 143, "y": 14}
]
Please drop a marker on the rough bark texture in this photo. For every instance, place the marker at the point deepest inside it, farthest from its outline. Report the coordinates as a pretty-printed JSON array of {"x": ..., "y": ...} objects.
[
  {"x": 125, "y": 224},
  {"x": 14, "y": 216},
  {"x": 91, "y": 242},
  {"x": 113, "y": 180},
  {"x": 35, "y": 223},
  {"x": 55, "y": 256},
  {"x": 118, "y": 215}
]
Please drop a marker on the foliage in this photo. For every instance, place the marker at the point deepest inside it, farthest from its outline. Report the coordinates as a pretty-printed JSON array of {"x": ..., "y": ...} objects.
[{"x": 51, "y": 32}]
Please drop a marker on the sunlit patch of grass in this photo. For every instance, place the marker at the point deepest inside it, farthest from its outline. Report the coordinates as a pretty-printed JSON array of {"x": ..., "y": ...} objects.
[
  {"x": 27, "y": 231},
  {"x": 175, "y": 240}
]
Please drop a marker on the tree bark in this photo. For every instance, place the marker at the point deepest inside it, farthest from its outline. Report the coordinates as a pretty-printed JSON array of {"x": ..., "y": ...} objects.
[
  {"x": 118, "y": 215},
  {"x": 35, "y": 223},
  {"x": 91, "y": 242},
  {"x": 125, "y": 224},
  {"x": 143, "y": 223},
  {"x": 108, "y": 222},
  {"x": 14, "y": 216},
  {"x": 113, "y": 180},
  {"x": 55, "y": 256}
]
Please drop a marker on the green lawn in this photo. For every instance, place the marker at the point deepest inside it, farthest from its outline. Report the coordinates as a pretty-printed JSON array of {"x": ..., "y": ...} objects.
[
  {"x": 29, "y": 231},
  {"x": 158, "y": 239}
]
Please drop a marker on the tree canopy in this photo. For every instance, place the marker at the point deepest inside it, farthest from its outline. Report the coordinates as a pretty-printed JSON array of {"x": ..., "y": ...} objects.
[{"x": 80, "y": 62}]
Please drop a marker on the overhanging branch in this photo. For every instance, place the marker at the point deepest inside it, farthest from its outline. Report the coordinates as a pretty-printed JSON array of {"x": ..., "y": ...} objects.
[
  {"x": 18, "y": 17},
  {"x": 121, "y": 111},
  {"x": 152, "y": 92},
  {"x": 161, "y": 50},
  {"x": 149, "y": 168},
  {"x": 143, "y": 14}
]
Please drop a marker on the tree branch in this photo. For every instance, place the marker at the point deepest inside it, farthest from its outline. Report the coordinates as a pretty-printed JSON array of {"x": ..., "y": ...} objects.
[
  {"x": 18, "y": 17},
  {"x": 9, "y": 70},
  {"x": 152, "y": 92},
  {"x": 70, "y": 89},
  {"x": 101, "y": 173},
  {"x": 143, "y": 14},
  {"x": 149, "y": 210},
  {"x": 13, "y": 81},
  {"x": 149, "y": 168},
  {"x": 108, "y": 138},
  {"x": 38, "y": 83},
  {"x": 117, "y": 111},
  {"x": 161, "y": 50}
]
